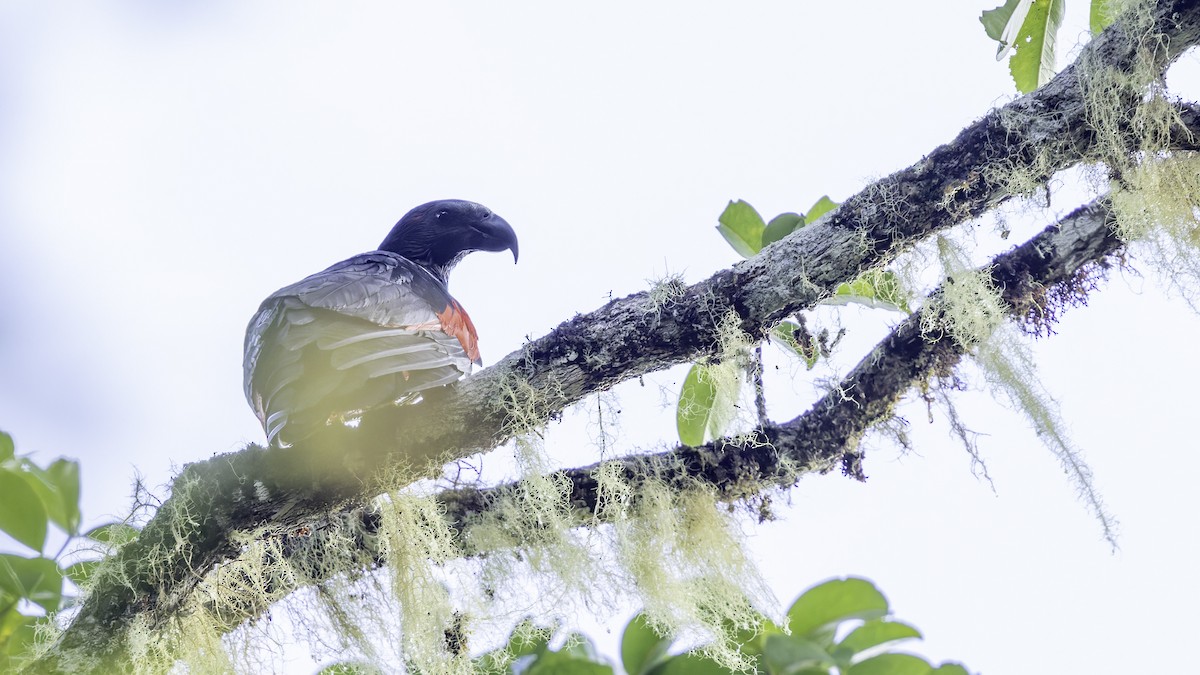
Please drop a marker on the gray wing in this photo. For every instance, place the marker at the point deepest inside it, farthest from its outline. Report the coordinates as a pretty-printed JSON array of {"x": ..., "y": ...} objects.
[{"x": 361, "y": 334}]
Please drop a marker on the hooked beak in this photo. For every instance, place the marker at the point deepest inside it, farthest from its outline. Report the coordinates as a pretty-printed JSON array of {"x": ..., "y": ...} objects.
[{"x": 498, "y": 235}]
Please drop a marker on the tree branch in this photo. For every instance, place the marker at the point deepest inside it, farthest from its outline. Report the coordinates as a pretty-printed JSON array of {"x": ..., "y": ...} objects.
[
  {"x": 1039, "y": 279},
  {"x": 623, "y": 339},
  {"x": 1051, "y": 265}
]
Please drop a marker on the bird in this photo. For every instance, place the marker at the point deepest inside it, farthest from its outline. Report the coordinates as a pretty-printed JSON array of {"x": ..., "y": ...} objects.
[{"x": 375, "y": 329}]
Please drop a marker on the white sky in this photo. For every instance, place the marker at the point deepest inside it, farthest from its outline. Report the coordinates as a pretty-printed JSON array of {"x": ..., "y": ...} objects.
[{"x": 164, "y": 166}]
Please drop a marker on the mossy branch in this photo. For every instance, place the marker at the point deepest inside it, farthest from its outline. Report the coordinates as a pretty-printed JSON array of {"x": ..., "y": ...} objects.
[
  {"x": 1039, "y": 278},
  {"x": 1033, "y": 136}
]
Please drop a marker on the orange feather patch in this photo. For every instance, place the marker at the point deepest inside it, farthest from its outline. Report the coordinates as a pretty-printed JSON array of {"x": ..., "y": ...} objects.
[{"x": 456, "y": 322}]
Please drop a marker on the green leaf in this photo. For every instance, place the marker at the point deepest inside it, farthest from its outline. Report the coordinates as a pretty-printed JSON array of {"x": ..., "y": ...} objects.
[
  {"x": 789, "y": 653},
  {"x": 951, "y": 669},
  {"x": 64, "y": 473},
  {"x": 113, "y": 534},
  {"x": 703, "y": 408},
  {"x": 835, "y": 601},
  {"x": 824, "y": 205},
  {"x": 40, "y": 481},
  {"x": 696, "y": 400},
  {"x": 781, "y": 226},
  {"x": 1101, "y": 16},
  {"x": 16, "y": 633},
  {"x": 80, "y": 572},
  {"x": 526, "y": 638},
  {"x": 785, "y": 334},
  {"x": 641, "y": 647},
  {"x": 581, "y": 647},
  {"x": 57, "y": 486},
  {"x": 1003, "y": 23},
  {"x": 7, "y": 447},
  {"x": 566, "y": 663},
  {"x": 878, "y": 289},
  {"x": 856, "y": 290},
  {"x": 22, "y": 514},
  {"x": 742, "y": 227},
  {"x": 36, "y": 579},
  {"x": 1033, "y": 63},
  {"x": 892, "y": 664},
  {"x": 877, "y": 632},
  {"x": 348, "y": 668},
  {"x": 690, "y": 663}
]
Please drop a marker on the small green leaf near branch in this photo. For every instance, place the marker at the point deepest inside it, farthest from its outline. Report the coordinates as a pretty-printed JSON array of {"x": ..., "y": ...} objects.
[
  {"x": 879, "y": 289},
  {"x": 698, "y": 415},
  {"x": 742, "y": 227},
  {"x": 1029, "y": 29}
]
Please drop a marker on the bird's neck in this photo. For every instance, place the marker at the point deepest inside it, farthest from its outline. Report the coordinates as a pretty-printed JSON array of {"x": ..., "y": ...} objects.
[{"x": 441, "y": 270}]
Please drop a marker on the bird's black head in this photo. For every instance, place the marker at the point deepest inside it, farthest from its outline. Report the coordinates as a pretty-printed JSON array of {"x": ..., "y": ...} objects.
[{"x": 438, "y": 234}]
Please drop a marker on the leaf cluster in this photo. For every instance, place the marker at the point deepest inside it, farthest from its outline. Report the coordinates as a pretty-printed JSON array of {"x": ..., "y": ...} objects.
[
  {"x": 32, "y": 498},
  {"x": 704, "y": 410},
  {"x": 841, "y": 625},
  {"x": 1028, "y": 29}
]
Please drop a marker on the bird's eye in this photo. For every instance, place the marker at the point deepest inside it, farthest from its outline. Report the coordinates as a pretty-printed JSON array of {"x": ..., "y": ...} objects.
[{"x": 441, "y": 213}]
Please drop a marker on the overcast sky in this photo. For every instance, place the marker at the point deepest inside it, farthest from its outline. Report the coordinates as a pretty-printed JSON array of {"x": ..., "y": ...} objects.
[{"x": 166, "y": 165}]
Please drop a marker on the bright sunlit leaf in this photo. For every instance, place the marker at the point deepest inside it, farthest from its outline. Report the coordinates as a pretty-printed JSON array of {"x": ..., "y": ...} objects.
[
  {"x": 742, "y": 227},
  {"x": 1033, "y": 63},
  {"x": 697, "y": 411},
  {"x": 878, "y": 289}
]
